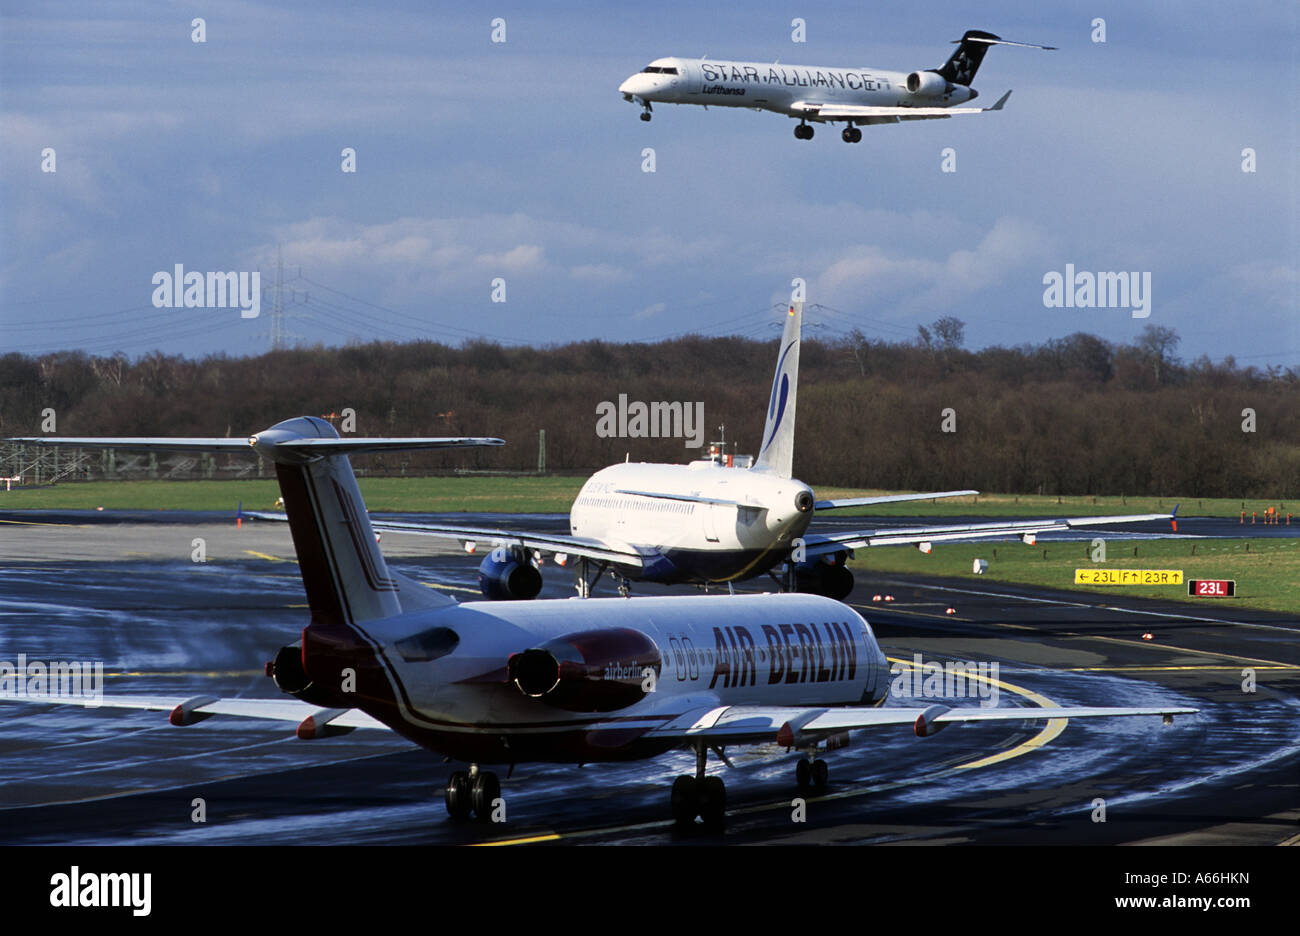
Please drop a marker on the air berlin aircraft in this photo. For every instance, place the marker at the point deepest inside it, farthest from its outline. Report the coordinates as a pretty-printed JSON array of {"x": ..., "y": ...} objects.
[{"x": 574, "y": 681}]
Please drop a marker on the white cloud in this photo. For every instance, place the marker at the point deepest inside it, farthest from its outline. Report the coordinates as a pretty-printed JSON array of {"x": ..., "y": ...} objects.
[{"x": 1010, "y": 245}]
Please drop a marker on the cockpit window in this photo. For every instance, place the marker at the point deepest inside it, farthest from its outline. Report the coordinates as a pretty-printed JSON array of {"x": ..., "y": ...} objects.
[
  {"x": 669, "y": 71},
  {"x": 427, "y": 645},
  {"x": 657, "y": 70}
]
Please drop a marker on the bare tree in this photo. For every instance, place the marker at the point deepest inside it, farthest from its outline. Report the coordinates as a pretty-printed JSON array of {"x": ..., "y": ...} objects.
[
  {"x": 1157, "y": 344},
  {"x": 950, "y": 332}
]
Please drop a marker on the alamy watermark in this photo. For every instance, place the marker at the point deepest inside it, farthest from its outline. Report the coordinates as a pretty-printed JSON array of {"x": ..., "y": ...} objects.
[
  {"x": 954, "y": 679},
  {"x": 1103, "y": 290},
  {"x": 660, "y": 420},
  {"x": 62, "y": 679},
  {"x": 194, "y": 290}
]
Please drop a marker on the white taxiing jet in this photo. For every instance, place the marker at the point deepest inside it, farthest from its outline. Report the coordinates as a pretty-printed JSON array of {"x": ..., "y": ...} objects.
[
  {"x": 547, "y": 681},
  {"x": 710, "y": 524},
  {"x": 856, "y": 97}
]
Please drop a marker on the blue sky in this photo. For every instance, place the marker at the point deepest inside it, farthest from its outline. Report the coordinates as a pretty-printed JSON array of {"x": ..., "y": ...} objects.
[{"x": 520, "y": 160}]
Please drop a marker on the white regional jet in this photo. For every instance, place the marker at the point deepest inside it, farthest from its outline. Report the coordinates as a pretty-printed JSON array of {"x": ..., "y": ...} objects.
[
  {"x": 709, "y": 524},
  {"x": 858, "y": 97},
  {"x": 546, "y": 681}
]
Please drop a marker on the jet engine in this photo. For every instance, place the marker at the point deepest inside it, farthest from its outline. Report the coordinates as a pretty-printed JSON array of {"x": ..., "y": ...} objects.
[
  {"x": 589, "y": 671},
  {"x": 927, "y": 84},
  {"x": 508, "y": 575},
  {"x": 819, "y": 577},
  {"x": 290, "y": 677}
]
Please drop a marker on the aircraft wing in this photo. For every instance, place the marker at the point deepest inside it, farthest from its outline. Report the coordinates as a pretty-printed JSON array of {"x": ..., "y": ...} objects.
[
  {"x": 792, "y": 726},
  {"x": 818, "y": 544},
  {"x": 865, "y": 114},
  {"x": 473, "y": 538},
  {"x": 186, "y": 710},
  {"x": 885, "y": 499}
]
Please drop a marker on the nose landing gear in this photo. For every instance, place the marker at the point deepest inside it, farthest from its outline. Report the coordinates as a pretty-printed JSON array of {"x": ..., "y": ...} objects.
[{"x": 645, "y": 114}]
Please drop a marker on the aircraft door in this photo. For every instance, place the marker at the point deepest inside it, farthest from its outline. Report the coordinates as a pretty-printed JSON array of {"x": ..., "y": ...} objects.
[
  {"x": 710, "y": 522},
  {"x": 690, "y": 79}
]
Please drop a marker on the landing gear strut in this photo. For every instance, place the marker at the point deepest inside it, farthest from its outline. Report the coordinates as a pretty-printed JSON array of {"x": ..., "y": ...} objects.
[
  {"x": 851, "y": 134},
  {"x": 803, "y": 131},
  {"x": 473, "y": 792},
  {"x": 645, "y": 114},
  {"x": 699, "y": 795}
]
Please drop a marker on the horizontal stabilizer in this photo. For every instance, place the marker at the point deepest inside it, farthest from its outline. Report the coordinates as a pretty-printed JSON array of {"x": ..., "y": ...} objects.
[{"x": 295, "y": 449}]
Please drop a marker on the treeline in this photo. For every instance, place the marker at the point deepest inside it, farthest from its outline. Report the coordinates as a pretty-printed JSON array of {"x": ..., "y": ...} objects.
[{"x": 1072, "y": 416}]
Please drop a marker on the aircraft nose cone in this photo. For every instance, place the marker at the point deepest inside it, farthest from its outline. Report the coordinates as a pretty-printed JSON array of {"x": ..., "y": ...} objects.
[{"x": 628, "y": 86}]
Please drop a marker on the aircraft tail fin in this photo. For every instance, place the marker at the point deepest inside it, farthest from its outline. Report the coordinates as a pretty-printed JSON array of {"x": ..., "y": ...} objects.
[
  {"x": 343, "y": 571},
  {"x": 971, "y": 49},
  {"x": 777, "y": 453}
]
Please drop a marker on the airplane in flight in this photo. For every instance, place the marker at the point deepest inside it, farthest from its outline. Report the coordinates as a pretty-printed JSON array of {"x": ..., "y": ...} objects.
[
  {"x": 605, "y": 679},
  {"x": 709, "y": 524},
  {"x": 857, "y": 97}
]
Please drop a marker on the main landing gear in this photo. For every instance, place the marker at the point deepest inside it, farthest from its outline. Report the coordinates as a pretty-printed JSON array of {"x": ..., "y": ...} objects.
[
  {"x": 584, "y": 582},
  {"x": 472, "y": 792},
  {"x": 851, "y": 134},
  {"x": 803, "y": 132},
  {"x": 810, "y": 772},
  {"x": 699, "y": 795}
]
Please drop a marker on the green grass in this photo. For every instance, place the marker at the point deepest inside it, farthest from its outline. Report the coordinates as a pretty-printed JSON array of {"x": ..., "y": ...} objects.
[
  {"x": 1267, "y": 571},
  {"x": 417, "y": 495},
  {"x": 524, "y": 494}
]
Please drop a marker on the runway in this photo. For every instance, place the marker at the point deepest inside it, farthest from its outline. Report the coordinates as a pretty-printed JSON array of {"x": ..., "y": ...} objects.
[{"x": 130, "y": 595}]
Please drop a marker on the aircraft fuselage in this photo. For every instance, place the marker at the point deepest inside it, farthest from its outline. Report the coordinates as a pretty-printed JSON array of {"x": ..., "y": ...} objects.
[
  {"x": 776, "y": 87},
  {"x": 451, "y": 679},
  {"x": 745, "y": 533}
]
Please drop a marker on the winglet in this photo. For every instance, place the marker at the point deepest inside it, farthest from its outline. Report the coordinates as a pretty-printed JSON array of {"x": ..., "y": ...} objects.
[{"x": 1002, "y": 100}]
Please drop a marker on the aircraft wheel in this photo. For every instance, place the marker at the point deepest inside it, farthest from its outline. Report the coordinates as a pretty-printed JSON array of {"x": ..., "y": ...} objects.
[
  {"x": 458, "y": 796},
  {"x": 803, "y": 774},
  {"x": 685, "y": 804},
  {"x": 485, "y": 790},
  {"x": 645, "y": 117},
  {"x": 713, "y": 802},
  {"x": 855, "y": 136},
  {"x": 847, "y": 134},
  {"x": 820, "y": 774}
]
